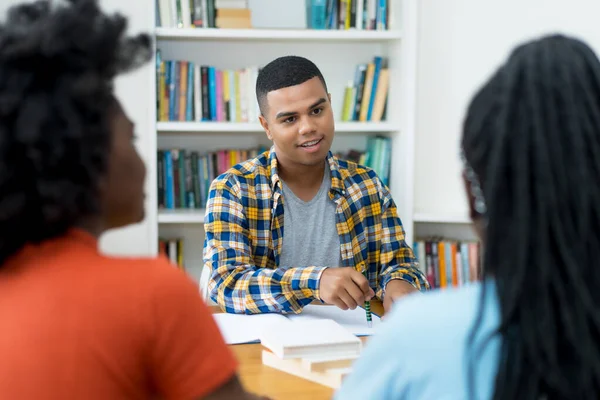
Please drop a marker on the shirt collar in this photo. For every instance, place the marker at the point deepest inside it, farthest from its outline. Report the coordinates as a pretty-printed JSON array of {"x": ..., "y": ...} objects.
[{"x": 337, "y": 184}]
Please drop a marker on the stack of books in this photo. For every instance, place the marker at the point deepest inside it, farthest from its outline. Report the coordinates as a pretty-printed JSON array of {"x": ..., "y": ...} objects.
[
  {"x": 321, "y": 351},
  {"x": 233, "y": 14},
  {"x": 365, "y": 97},
  {"x": 203, "y": 14}
]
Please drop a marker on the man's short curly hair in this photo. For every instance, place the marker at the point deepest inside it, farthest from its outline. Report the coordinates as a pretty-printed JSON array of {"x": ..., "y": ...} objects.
[
  {"x": 284, "y": 72},
  {"x": 57, "y": 65}
]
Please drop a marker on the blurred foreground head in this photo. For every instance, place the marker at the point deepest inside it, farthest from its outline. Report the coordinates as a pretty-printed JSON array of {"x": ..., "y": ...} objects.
[{"x": 67, "y": 157}]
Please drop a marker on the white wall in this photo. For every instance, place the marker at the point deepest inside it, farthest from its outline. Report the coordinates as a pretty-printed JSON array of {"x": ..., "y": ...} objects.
[
  {"x": 461, "y": 42},
  {"x": 135, "y": 92}
]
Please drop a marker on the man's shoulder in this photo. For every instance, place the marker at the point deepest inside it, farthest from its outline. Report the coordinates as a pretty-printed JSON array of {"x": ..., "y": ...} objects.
[
  {"x": 255, "y": 171},
  {"x": 355, "y": 173},
  {"x": 360, "y": 180}
]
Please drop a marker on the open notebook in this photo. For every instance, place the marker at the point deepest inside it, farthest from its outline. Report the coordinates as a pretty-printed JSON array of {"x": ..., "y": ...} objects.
[{"x": 240, "y": 328}]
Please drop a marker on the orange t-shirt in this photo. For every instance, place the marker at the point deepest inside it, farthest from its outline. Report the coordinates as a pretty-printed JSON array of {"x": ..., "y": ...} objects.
[{"x": 76, "y": 324}]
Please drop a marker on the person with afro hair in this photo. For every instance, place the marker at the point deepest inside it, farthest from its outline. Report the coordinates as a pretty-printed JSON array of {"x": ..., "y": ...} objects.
[{"x": 74, "y": 323}]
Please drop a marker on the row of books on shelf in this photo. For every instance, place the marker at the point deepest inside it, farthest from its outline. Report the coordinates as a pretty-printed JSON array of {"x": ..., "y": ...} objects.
[
  {"x": 312, "y": 14},
  {"x": 365, "y": 97},
  {"x": 187, "y": 91},
  {"x": 448, "y": 263},
  {"x": 377, "y": 156},
  {"x": 172, "y": 248},
  {"x": 190, "y": 92},
  {"x": 184, "y": 176},
  {"x": 349, "y": 14},
  {"x": 445, "y": 263},
  {"x": 202, "y": 14}
]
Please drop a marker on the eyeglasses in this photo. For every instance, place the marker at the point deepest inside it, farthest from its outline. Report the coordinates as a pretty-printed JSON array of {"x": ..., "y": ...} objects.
[{"x": 476, "y": 191}]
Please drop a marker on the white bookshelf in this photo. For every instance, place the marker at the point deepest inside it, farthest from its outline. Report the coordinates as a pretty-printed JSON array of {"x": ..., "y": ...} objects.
[
  {"x": 442, "y": 218},
  {"x": 455, "y": 226},
  {"x": 249, "y": 127},
  {"x": 181, "y": 216},
  {"x": 276, "y": 34},
  {"x": 336, "y": 53}
]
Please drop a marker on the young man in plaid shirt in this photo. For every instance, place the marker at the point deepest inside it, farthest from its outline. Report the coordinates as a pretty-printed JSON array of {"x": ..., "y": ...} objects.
[{"x": 343, "y": 242}]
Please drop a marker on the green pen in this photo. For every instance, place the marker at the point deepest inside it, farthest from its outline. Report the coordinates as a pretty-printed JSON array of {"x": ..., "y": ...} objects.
[{"x": 368, "y": 307}]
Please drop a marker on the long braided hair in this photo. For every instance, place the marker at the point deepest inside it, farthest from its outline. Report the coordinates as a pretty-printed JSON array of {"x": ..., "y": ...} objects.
[{"x": 532, "y": 138}]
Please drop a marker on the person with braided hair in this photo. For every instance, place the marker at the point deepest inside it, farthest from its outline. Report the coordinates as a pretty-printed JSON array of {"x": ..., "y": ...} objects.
[
  {"x": 76, "y": 324},
  {"x": 531, "y": 328}
]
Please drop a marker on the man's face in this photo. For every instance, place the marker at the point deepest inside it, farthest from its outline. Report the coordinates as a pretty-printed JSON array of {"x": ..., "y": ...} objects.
[{"x": 299, "y": 121}]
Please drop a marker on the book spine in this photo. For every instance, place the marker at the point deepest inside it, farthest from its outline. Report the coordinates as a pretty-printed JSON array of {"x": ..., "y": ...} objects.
[
  {"x": 189, "y": 107},
  {"x": 211, "y": 10},
  {"x": 176, "y": 178},
  {"x": 212, "y": 89},
  {"x": 372, "y": 14},
  {"x": 219, "y": 94},
  {"x": 197, "y": 14},
  {"x": 233, "y": 82},
  {"x": 172, "y": 90},
  {"x": 160, "y": 176},
  {"x": 226, "y": 96},
  {"x": 347, "y": 105},
  {"x": 318, "y": 13},
  {"x": 364, "y": 106},
  {"x": 377, "y": 61},
  {"x": 205, "y": 94},
  {"x": 244, "y": 95},
  {"x": 359, "y": 23},
  {"x": 182, "y": 180},
  {"x": 186, "y": 13},
  {"x": 197, "y": 93},
  {"x": 169, "y": 182}
]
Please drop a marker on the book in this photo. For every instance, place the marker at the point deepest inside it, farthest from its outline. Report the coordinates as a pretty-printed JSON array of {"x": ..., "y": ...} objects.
[
  {"x": 322, "y": 363},
  {"x": 242, "y": 328},
  {"x": 310, "y": 338},
  {"x": 447, "y": 262}
]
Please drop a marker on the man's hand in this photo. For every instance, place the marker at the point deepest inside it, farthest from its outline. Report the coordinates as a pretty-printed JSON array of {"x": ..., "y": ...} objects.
[
  {"x": 344, "y": 287},
  {"x": 394, "y": 290}
]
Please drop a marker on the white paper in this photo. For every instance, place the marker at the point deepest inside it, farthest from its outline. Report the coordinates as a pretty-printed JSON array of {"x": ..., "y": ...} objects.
[
  {"x": 241, "y": 328},
  {"x": 354, "y": 321}
]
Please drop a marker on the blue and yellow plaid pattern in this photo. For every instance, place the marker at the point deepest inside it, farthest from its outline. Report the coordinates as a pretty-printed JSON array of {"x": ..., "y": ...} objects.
[{"x": 244, "y": 236}]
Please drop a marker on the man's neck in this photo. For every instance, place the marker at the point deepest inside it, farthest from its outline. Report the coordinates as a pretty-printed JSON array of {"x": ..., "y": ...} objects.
[{"x": 301, "y": 176}]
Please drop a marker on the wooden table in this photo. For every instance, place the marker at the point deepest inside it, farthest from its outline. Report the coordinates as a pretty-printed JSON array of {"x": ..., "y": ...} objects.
[{"x": 276, "y": 384}]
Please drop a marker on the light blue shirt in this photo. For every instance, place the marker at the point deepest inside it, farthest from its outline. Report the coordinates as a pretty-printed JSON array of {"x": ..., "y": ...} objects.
[{"x": 421, "y": 350}]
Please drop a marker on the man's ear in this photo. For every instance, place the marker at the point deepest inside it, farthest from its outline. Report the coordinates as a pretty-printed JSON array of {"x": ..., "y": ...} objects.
[{"x": 265, "y": 125}]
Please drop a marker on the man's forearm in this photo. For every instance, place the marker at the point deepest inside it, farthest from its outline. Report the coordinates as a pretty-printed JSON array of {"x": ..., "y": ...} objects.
[
  {"x": 409, "y": 273},
  {"x": 252, "y": 290}
]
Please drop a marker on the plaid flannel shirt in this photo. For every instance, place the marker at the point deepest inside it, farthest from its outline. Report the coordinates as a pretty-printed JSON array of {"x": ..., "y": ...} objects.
[{"x": 244, "y": 236}]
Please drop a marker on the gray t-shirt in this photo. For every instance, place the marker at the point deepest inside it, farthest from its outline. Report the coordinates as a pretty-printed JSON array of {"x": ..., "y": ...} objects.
[{"x": 310, "y": 236}]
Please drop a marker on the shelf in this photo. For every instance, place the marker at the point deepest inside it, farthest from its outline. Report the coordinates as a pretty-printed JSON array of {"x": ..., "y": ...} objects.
[
  {"x": 442, "y": 218},
  {"x": 181, "y": 216},
  {"x": 275, "y": 34},
  {"x": 241, "y": 127}
]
